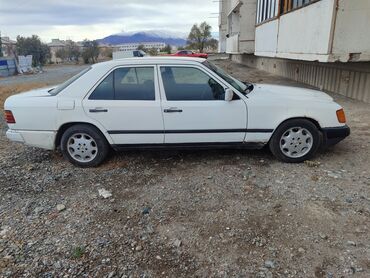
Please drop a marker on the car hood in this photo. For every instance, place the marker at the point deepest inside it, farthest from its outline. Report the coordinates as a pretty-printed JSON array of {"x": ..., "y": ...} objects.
[{"x": 288, "y": 92}]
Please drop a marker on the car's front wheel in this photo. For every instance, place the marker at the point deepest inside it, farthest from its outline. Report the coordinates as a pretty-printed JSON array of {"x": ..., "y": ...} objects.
[
  {"x": 295, "y": 141},
  {"x": 84, "y": 146}
]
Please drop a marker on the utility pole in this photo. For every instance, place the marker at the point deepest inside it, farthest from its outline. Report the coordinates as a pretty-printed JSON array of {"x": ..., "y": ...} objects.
[{"x": 1, "y": 44}]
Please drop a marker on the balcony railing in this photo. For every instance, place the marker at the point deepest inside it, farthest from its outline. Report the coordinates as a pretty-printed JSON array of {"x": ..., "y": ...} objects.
[{"x": 269, "y": 9}]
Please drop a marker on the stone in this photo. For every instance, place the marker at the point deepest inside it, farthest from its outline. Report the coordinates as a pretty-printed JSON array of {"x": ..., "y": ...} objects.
[
  {"x": 146, "y": 211},
  {"x": 323, "y": 236},
  {"x": 61, "y": 207},
  {"x": 177, "y": 243},
  {"x": 105, "y": 193},
  {"x": 301, "y": 250},
  {"x": 269, "y": 264},
  {"x": 352, "y": 243}
]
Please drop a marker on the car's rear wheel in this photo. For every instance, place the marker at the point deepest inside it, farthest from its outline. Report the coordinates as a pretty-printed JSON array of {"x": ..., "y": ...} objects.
[
  {"x": 295, "y": 141},
  {"x": 84, "y": 146}
]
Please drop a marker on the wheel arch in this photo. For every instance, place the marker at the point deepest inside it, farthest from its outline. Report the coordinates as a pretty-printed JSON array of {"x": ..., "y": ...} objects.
[
  {"x": 315, "y": 122},
  {"x": 67, "y": 125}
]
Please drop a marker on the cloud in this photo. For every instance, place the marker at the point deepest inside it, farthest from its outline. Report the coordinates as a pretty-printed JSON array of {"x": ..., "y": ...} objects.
[{"x": 95, "y": 18}]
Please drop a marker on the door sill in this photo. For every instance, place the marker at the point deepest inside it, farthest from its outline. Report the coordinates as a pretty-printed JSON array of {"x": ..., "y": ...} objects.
[{"x": 184, "y": 146}]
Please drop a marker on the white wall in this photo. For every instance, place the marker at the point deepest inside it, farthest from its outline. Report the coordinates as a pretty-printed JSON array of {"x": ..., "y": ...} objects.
[
  {"x": 304, "y": 34},
  {"x": 352, "y": 31},
  {"x": 267, "y": 38},
  {"x": 247, "y": 26},
  {"x": 306, "y": 30}
]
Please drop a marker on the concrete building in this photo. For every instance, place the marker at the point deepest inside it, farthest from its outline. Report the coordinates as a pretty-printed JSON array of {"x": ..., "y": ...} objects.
[
  {"x": 323, "y": 43},
  {"x": 134, "y": 46},
  {"x": 8, "y": 46}
]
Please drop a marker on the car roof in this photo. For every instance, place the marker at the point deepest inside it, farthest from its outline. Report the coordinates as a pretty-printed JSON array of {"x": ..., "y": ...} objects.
[{"x": 150, "y": 60}]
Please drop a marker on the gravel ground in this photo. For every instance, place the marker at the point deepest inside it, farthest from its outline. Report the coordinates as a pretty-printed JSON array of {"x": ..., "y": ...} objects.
[
  {"x": 52, "y": 74},
  {"x": 183, "y": 214}
]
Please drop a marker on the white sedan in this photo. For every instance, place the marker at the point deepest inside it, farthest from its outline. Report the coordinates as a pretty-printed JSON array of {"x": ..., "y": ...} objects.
[{"x": 170, "y": 102}]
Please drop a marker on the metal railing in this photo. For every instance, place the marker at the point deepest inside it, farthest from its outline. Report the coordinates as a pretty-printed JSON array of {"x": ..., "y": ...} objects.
[{"x": 270, "y": 9}]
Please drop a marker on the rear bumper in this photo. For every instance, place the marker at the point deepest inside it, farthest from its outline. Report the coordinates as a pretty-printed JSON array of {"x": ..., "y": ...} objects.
[
  {"x": 40, "y": 139},
  {"x": 334, "y": 135}
]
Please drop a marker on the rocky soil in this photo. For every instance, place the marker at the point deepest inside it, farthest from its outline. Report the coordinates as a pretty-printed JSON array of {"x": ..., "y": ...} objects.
[{"x": 183, "y": 214}]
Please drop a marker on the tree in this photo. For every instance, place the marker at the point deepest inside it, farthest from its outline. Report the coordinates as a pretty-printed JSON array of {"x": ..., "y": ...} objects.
[
  {"x": 167, "y": 49},
  {"x": 72, "y": 50},
  {"x": 61, "y": 54},
  {"x": 141, "y": 47},
  {"x": 153, "y": 51},
  {"x": 212, "y": 44},
  {"x": 33, "y": 46},
  {"x": 90, "y": 51},
  {"x": 199, "y": 35}
]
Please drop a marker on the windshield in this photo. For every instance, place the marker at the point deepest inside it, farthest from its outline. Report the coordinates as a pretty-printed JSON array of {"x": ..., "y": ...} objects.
[
  {"x": 64, "y": 85},
  {"x": 240, "y": 86}
]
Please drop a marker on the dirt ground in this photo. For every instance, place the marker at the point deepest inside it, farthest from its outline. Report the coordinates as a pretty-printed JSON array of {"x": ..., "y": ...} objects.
[{"x": 222, "y": 213}]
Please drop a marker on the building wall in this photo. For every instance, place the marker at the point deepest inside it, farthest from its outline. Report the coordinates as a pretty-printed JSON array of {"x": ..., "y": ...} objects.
[
  {"x": 348, "y": 79},
  {"x": 352, "y": 30},
  {"x": 134, "y": 46},
  {"x": 237, "y": 26},
  {"x": 302, "y": 34},
  {"x": 325, "y": 31},
  {"x": 247, "y": 29}
]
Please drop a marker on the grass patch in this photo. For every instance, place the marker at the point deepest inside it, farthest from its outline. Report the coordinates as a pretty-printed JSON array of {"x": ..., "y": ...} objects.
[{"x": 78, "y": 252}]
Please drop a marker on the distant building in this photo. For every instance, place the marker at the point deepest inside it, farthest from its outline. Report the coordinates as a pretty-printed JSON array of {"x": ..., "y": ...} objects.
[
  {"x": 323, "y": 43},
  {"x": 8, "y": 46},
  {"x": 134, "y": 46},
  {"x": 54, "y": 46}
]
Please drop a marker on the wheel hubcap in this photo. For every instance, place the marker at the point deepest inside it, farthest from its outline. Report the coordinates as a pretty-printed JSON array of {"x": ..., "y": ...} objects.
[
  {"x": 82, "y": 147},
  {"x": 296, "y": 142}
]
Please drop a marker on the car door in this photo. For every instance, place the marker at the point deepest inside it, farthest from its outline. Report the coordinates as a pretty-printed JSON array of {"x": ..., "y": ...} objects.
[
  {"x": 127, "y": 103},
  {"x": 194, "y": 107}
]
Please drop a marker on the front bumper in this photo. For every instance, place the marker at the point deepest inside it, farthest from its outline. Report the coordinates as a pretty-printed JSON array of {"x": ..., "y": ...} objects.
[{"x": 333, "y": 135}]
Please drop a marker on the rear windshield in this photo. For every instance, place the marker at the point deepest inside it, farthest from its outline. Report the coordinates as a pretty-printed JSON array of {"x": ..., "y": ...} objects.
[{"x": 64, "y": 85}]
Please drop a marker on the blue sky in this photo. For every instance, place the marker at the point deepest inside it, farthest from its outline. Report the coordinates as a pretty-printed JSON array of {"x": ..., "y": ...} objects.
[{"x": 94, "y": 19}]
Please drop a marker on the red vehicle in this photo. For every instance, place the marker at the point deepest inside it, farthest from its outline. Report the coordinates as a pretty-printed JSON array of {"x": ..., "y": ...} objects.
[{"x": 189, "y": 53}]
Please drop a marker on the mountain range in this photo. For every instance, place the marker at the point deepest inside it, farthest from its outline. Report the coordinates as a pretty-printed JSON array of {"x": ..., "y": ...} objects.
[{"x": 171, "y": 38}]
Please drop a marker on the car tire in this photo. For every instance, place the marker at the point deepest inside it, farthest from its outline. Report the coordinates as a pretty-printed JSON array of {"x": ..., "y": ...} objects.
[
  {"x": 84, "y": 146},
  {"x": 295, "y": 141}
]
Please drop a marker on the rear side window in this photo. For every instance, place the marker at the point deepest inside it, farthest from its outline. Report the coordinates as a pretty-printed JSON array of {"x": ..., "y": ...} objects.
[
  {"x": 105, "y": 90},
  {"x": 136, "y": 83}
]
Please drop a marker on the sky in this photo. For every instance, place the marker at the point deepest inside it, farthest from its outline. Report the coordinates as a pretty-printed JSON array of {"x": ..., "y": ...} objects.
[{"x": 96, "y": 19}]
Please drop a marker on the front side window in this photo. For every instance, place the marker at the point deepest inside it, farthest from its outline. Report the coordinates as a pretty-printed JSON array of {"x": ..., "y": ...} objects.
[
  {"x": 136, "y": 83},
  {"x": 186, "y": 83}
]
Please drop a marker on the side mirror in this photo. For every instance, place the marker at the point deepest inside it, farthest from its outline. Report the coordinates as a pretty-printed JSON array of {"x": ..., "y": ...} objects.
[{"x": 229, "y": 95}]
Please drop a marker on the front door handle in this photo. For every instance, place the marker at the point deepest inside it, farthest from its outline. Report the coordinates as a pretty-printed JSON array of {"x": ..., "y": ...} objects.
[
  {"x": 98, "y": 110},
  {"x": 173, "y": 110}
]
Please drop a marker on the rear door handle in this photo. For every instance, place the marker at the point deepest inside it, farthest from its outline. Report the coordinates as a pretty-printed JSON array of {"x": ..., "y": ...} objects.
[
  {"x": 172, "y": 110},
  {"x": 98, "y": 110}
]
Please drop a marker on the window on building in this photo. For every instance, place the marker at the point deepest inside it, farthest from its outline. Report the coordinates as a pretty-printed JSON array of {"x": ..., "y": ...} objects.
[
  {"x": 268, "y": 9},
  {"x": 190, "y": 84},
  {"x": 127, "y": 84}
]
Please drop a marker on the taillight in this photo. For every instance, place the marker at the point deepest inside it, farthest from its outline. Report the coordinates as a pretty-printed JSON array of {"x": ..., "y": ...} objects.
[
  {"x": 341, "y": 116},
  {"x": 9, "y": 117}
]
